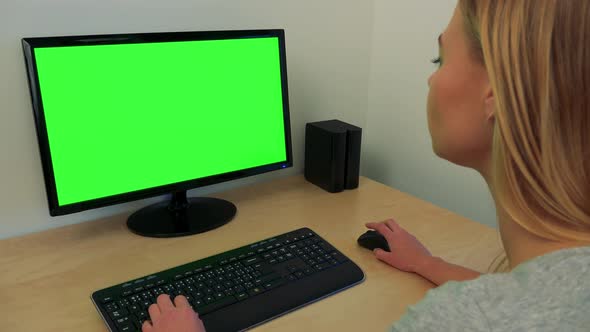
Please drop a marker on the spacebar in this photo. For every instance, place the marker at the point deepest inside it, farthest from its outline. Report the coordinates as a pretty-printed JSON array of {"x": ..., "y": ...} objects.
[{"x": 216, "y": 305}]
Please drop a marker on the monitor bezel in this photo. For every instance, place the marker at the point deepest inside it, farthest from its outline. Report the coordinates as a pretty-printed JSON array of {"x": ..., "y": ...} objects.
[{"x": 29, "y": 44}]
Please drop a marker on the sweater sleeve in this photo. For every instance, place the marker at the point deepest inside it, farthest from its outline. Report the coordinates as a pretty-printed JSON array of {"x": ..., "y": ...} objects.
[{"x": 450, "y": 307}]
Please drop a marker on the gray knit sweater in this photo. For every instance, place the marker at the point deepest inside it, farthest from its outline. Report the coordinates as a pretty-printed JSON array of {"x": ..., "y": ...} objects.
[{"x": 547, "y": 293}]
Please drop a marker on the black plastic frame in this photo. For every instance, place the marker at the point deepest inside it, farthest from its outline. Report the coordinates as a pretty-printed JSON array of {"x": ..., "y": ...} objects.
[{"x": 29, "y": 44}]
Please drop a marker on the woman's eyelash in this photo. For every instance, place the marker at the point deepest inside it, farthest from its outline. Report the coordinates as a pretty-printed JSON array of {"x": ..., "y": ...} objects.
[{"x": 436, "y": 61}]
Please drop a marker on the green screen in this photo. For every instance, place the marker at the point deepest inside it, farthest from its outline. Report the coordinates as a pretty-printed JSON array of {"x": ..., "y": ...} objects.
[{"x": 121, "y": 118}]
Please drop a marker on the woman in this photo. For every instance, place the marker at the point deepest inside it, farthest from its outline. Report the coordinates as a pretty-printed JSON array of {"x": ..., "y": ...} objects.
[{"x": 511, "y": 100}]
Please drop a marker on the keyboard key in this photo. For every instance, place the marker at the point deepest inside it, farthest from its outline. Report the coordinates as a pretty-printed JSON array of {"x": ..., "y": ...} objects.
[
  {"x": 197, "y": 295},
  {"x": 147, "y": 295},
  {"x": 134, "y": 308},
  {"x": 242, "y": 296},
  {"x": 264, "y": 268},
  {"x": 322, "y": 266},
  {"x": 138, "y": 324},
  {"x": 123, "y": 303},
  {"x": 146, "y": 304},
  {"x": 251, "y": 260},
  {"x": 106, "y": 300},
  {"x": 119, "y": 313},
  {"x": 267, "y": 278},
  {"x": 142, "y": 315},
  {"x": 274, "y": 284},
  {"x": 339, "y": 257},
  {"x": 111, "y": 307},
  {"x": 127, "y": 327},
  {"x": 255, "y": 291},
  {"x": 122, "y": 322},
  {"x": 158, "y": 291}
]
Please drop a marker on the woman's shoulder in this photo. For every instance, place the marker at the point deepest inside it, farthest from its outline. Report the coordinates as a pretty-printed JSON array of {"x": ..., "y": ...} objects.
[
  {"x": 546, "y": 293},
  {"x": 543, "y": 293},
  {"x": 561, "y": 271}
]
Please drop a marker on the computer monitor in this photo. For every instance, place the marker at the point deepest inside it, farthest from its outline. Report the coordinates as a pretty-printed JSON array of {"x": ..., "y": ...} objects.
[{"x": 129, "y": 116}]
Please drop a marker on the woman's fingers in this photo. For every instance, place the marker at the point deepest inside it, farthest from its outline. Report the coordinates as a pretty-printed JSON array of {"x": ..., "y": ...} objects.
[
  {"x": 154, "y": 312},
  {"x": 381, "y": 255},
  {"x": 181, "y": 301},
  {"x": 382, "y": 229},
  {"x": 165, "y": 303},
  {"x": 147, "y": 326},
  {"x": 393, "y": 225}
]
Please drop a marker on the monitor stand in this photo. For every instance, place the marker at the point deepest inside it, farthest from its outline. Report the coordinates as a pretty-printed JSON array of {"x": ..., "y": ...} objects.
[{"x": 181, "y": 216}]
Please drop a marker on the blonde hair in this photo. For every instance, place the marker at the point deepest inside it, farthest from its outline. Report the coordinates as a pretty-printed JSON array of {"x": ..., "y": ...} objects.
[{"x": 537, "y": 55}]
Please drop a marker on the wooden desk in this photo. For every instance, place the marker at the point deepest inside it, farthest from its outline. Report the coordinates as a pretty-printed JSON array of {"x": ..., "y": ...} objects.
[{"x": 46, "y": 278}]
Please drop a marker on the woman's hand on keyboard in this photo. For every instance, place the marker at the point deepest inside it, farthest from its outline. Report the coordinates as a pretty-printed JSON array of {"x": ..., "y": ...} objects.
[
  {"x": 407, "y": 253},
  {"x": 178, "y": 317}
]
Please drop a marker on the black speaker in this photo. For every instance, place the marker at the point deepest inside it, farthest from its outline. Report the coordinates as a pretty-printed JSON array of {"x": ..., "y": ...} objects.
[{"x": 332, "y": 155}]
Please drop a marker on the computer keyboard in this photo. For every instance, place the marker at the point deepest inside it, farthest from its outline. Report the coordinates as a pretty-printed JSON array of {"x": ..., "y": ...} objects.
[{"x": 240, "y": 288}]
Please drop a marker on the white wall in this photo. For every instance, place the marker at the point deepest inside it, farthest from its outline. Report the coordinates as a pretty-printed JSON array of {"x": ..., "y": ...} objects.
[
  {"x": 397, "y": 148},
  {"x": 328, "y": 51},
  {"x": 330, "y": 44}
]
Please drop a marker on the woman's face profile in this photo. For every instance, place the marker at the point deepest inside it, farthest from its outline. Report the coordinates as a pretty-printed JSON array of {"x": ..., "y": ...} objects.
[{"x": 459, "y": 101}]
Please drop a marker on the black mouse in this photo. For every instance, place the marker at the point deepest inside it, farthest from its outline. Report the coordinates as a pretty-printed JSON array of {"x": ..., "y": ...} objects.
[{"x": 372, "y": 240}]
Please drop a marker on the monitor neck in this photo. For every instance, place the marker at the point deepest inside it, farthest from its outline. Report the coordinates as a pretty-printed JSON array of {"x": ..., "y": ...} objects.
[{"x": 178, "y": 203}]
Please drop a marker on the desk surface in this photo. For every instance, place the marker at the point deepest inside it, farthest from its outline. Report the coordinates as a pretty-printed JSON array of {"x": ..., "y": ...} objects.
[{"x": 46, "y": 278}]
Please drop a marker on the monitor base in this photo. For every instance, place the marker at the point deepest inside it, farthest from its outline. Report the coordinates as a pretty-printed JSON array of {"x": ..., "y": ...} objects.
[{"x": 181, "y": 216}]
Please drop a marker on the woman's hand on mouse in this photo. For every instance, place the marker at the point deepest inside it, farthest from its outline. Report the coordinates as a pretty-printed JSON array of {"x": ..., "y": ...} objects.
[{"x": 407, "y": 253}]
